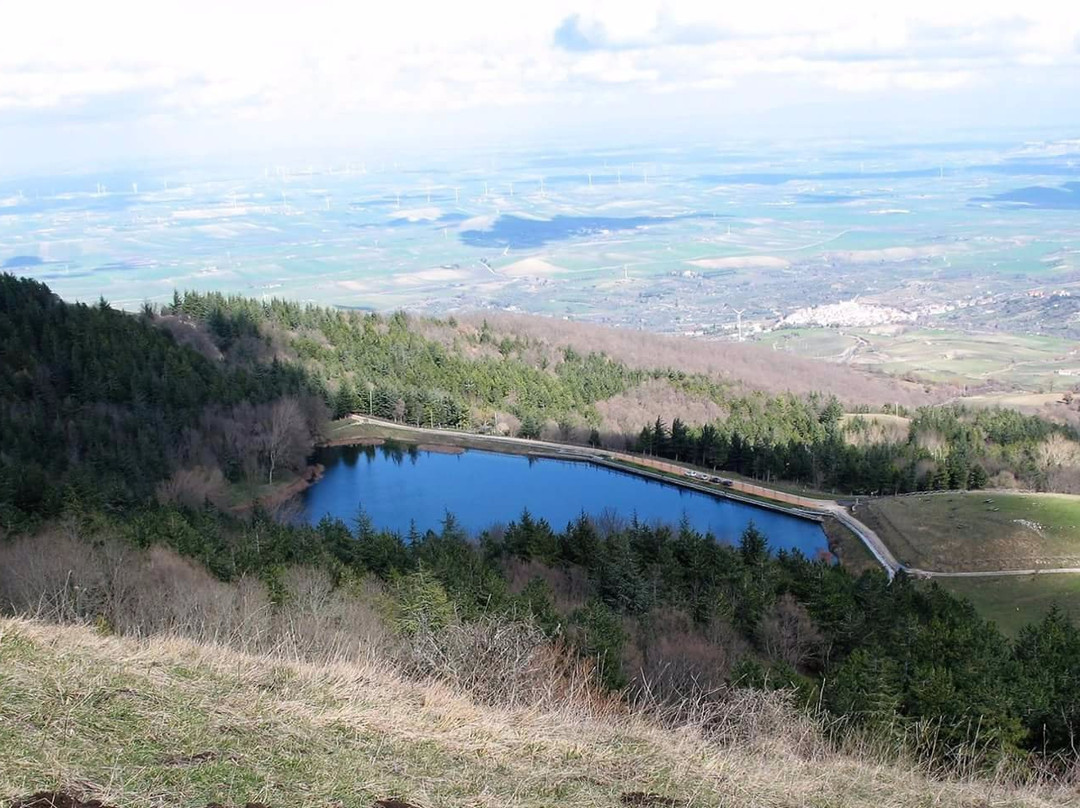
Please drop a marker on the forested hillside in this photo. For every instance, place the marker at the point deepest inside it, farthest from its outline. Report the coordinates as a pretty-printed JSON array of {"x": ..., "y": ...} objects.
[
  {"x": 119, "y": 429},
  {"x": 101, "y": 405},
  {"x": 98, "y": 406},
  {"x": 483, "y": 378}
]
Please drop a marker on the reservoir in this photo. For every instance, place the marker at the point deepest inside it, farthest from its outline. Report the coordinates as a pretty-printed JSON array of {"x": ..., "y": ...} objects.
[{"x": 399, "y": 485}]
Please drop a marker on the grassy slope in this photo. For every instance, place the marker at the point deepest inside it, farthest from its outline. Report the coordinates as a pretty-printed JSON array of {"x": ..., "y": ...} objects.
[
  {"x": 954, "y": 531},
  {"x": 1013, "y": 602},
  {"x": 114, "y": 719}
]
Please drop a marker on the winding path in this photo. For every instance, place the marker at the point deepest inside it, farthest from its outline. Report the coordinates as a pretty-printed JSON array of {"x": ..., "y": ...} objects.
[{"x": 782, "y": 500}]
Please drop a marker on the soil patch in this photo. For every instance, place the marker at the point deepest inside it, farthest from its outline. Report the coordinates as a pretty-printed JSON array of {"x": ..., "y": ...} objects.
[
  {"x": 55, "y": 799},
  {"x": 61, "y": 799},
  {"x": 393, "y": 802},
  {"x": 644, "y": 798}
]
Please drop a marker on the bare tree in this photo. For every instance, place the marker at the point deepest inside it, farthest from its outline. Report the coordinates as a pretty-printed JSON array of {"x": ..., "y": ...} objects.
[
  {"x": 789, "y": 633},
  {"x": 284, "y": 434}
]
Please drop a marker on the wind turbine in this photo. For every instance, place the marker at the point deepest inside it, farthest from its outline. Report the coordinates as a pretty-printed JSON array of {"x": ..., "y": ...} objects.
[
  {"x": 541, "y": 186},
  {"x": 590, "y": 179},
  {"x": 738, "y": 320},
  {"x": 511, "y": 189},
  {"x": 456, "y": 190},
  {"x": 134, "y": 188}
]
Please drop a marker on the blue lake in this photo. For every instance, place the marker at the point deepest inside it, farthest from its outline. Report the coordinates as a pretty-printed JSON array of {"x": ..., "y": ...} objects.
[{"x": 398, "y": 485}]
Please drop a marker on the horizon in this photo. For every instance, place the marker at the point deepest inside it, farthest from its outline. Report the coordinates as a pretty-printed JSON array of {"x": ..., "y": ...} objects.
[{"x": 115, "y": 84}]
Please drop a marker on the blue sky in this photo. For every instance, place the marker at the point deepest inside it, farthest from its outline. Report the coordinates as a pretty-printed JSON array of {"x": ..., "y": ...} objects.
[{"x": 108, "y": 79}]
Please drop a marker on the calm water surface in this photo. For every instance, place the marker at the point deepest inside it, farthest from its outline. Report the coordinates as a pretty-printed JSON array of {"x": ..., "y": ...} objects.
[{"x": 398, "y": 485}]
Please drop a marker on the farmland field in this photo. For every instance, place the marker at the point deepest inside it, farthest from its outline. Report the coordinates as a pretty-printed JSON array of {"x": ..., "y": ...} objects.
[
  {"x": 675, "y": 240},
  {"x": 1031, "y": 363}
]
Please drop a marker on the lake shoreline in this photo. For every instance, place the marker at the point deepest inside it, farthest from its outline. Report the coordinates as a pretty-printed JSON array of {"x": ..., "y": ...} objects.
[
  {"x": 405, "y": 485},
  {"x": 802, "y": 507}
]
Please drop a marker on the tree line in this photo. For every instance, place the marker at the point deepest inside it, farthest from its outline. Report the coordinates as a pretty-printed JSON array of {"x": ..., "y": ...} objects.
[
  {"x": 809, "y": 440},
  {"x": 384, "y": 366}
]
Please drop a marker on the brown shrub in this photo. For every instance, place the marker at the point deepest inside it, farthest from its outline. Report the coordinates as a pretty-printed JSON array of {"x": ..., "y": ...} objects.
[
  {"x": 194, "y": 487},
  {"x": 509, "y": 663},
  {"x": 58, "y": 576},
  {"x": 788, "y": 633},
  {"x": 569, "y": 586},
  {"x": 670, "y": 658}
]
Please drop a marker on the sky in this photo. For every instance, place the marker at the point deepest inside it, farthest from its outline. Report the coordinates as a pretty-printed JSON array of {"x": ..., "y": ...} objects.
[{"x": 112, "y": 79}]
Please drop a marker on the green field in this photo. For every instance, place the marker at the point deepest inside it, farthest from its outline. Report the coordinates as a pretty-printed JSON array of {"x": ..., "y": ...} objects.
[
  {"x": 846, "y": 546},
  {"x": 949, "y": 357},
  {"x": 962, "y": 532},
  {"x": 814, "y": 343},
  {"x": 1014, "y": 601},
  {"x": 978, "y": 531}
]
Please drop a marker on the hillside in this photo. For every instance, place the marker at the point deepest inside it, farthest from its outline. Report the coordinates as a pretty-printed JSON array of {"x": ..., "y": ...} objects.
[
  {"x": 167, "y": 721},
  {"x": 745, "y": 364},
  {"x": 118, "y": 495}
]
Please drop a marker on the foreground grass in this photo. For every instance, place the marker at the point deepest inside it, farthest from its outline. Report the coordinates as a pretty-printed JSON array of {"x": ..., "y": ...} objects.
[
  {"x": 978, "y": 530},
  {"x": 1013, "y": 602},
  {"x": 169, "y": 722}
]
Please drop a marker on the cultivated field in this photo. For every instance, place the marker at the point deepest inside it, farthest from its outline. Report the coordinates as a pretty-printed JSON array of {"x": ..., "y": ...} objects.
[{"x": 978, "y": 530}]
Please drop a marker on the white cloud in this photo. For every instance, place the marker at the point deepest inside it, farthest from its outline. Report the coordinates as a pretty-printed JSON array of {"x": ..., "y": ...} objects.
[{"x": 223, "y": 60}]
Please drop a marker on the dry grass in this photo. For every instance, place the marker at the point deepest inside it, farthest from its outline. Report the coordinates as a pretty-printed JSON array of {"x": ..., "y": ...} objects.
[{"x": 123, "y": 719}]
